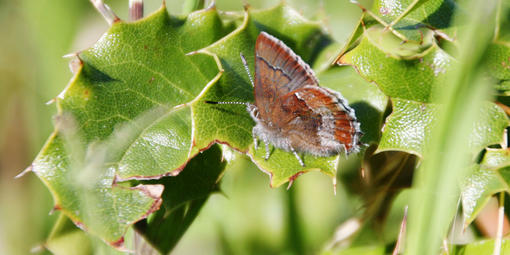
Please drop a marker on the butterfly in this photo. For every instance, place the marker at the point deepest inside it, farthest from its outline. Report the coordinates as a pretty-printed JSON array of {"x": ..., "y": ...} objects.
[{"x": 291, "y": 111}]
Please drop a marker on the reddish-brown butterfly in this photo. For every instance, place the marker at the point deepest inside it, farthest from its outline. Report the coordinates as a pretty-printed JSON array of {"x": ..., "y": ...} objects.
[{"x": 291, "y": 111}]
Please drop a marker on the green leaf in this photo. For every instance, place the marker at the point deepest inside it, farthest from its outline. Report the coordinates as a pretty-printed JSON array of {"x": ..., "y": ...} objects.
[
  {"x": 122, "y": 100},
  {"x": 163, "y": 145},
  {"x": 135, "y": 110},
  {"x": 410, "y": 82},
  {"x": 415, "y": 77},
  {"x": 409, "y": 126},
  {"x": 411, "y": 79},
  {"x": 490, "y": 177},
  {"x": 183, "y": 198},
  {"x": 79, "y": 190},
  {"x": 393, "y": 46},
  {"x": 477, "y": 189},
  {"x": 305, "y": 37},
  {"x": 498, "y": 65},
  {"x": 495, "y": 159},
  {"x": 449, "y": 155},
  {"x": 415, "y": 17}
]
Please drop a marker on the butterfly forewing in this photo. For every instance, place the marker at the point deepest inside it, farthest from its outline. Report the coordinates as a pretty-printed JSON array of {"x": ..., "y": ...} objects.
[
  {"x": 266, "y": 94},
  {"x": 289, "y": 71}
]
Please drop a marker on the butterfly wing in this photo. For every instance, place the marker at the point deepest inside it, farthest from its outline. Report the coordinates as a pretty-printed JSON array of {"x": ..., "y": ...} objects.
[
  {"x": 278, "y": 71},
  {"x": 293, "y": 111},
  {"x": 323, "y": 124}
]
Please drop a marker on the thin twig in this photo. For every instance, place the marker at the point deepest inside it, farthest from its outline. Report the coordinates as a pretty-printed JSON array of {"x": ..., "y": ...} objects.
[
  {"x": 135, "y": 9},
  {"x": 104, "y": 10}
]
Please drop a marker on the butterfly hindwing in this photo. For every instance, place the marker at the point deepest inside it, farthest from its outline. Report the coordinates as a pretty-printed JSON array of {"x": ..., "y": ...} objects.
[{"x": 321, "y": 121}]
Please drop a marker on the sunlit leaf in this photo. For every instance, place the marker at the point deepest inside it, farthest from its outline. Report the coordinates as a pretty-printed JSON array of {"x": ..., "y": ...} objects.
[
  {"x": 123, "y": 99},
  {"x": 416, "y": 17},
  {"x": 477, "y": 189}
]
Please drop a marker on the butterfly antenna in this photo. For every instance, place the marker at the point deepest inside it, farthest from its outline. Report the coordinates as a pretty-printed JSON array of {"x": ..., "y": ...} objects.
[
  {"x": 214, "y": 102},
  {"x": 246, "y": 68}
]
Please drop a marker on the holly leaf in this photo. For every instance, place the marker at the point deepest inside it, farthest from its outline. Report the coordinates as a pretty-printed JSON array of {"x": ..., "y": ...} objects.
[
  {"x": 380, "y": 60},
  {"x": 495, "y": 159},
  {"x": 414, "y": 18},
  {"x": 136, "y": 110},
  {"x": 489, "y": 177},
  {"x": 498, "y": 66},
  {"x": 411, "y": 74},
  {"x": 477, "y": 189},
  {"x": 409, "y": 126},
  {"x": 410, "y": 82},
  {"x": 123, "y": 116}
]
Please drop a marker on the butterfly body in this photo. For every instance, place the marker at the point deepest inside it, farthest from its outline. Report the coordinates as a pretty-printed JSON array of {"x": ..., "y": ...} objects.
[{"x": 292, "y": 112}]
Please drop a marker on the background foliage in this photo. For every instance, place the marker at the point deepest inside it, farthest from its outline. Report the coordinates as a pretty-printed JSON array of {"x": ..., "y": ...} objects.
[{"x": 432, "y": 92}]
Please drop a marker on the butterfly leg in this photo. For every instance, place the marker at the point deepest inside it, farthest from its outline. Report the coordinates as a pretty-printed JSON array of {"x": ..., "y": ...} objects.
[
  {"x": 297, "y": 156},
  {"x": 255, "y": 140},
  {"x": 267, "y": 150}
]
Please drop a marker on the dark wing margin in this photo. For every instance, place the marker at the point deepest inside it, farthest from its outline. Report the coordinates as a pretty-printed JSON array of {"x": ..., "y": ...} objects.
[{"x": 276, "y": 54}]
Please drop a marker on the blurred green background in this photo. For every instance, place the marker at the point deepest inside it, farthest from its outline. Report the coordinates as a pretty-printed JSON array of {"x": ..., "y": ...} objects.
[{"x": 249, "y": 217}]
